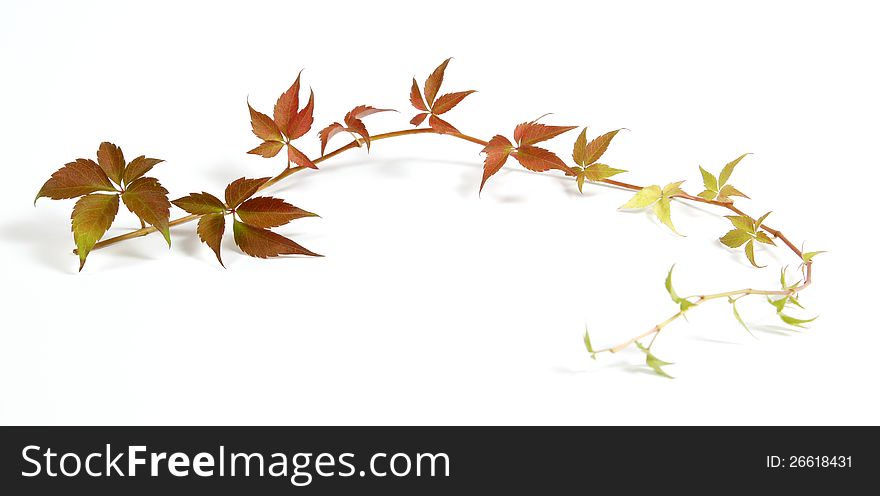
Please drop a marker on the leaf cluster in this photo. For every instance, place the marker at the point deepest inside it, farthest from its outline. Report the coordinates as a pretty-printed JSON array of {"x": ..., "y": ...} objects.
[
  {"x": 288, "y": 123},
  {"x": 251, "y": 219},
  {"x": 100, "y": 186},
  {"x": 659, "y": 199},
  {"x": 746, "y": 231},
  {"x": 430, "y": 106}
]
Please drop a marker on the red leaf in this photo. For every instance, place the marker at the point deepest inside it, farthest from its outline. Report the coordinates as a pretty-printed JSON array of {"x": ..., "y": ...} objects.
[
  {"x": 211, "y": 227},
  {"x": 529, "y": 133},
  {"x": 75, "y": 179},
  {"x": 241, "y": 189},
  {"x": 538, "y": 159},
  {"x": 302, "y": 121},
  {"x": 267, "y": 149},
  {"x": 362, "y": 111},
  {"x": 149, "y": 201},
  {"x": 441, "y": 126},
  {"x": 432, "y": 85},
  {"x": 329, "y": 132},
  {"x": 448, "y": 101},
  {"x": 299, "y": 158},
  {"x": 287, "y": 105},
  {"x": 263, "y": 126},
  {"x": 496, "y": 151},
  {"x": 110, "y": 159},
  {"x": 138, "y": 167},
  {"x": 200, "y": 203},
  {"x": 266, "y": 211},
  {"x": 415, "y": 97},
  {"x": 357, "y": 126},
  {"x": 418, "y": 119},
  {"x": 262, "y": 243},
  {"x": 92, "y": 216}
]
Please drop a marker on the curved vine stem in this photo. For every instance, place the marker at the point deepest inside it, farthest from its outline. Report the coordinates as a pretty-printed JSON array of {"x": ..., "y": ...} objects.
[{"x": 653, "y": 332}]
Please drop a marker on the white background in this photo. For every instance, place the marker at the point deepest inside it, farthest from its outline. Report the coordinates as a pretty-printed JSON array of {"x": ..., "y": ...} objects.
[{"x": 435, "y": 306}]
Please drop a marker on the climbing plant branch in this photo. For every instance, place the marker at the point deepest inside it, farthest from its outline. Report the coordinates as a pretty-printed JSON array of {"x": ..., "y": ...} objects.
[{"x": 101, "y": 185}]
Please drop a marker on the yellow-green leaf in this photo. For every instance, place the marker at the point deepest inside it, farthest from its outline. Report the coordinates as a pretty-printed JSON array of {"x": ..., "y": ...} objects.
[
  {"x": 808, "y": 256},
  {"x": 763, "y": 238},
  {"x": 727, "y": 191},
  {"x": 673, "y": 189},
  {"x": 750, "y": 254},
  {"x": 707, "y": 194},
  {"x": 792, "y": 321},
  {"x": 728, "y": 170},
  {"x": 588, "y": 344},
  {"x": 742, "y": 222},
  {"x": 739, "y": 318},
  {"x": 598, "y": 172},
  {"x": 663, "y": 212},
  {"x": 653, "y": 362},
  {"x": 646, "y": 197},
  {"x": 709, "y": 180}
]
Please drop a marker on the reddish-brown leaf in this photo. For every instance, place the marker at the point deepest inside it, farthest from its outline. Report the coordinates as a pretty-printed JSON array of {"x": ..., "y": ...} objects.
[
  {"x": 76, "y": 179},
  {"x": 357, "y": 126},
  {"x": 138, "y": 167},
  {"x": 200, "y": 204},
  {"x": 496, "y": 151},
  {"x": 266, "y": 211},
  {"x": 262, "y": 243},
  {"x": 529, "y": 133},
  {"x": 362, "y": 111},
  {"x": 432, "y": 85},
  {"x": 92, "y": 216},
  {"x": 287, "y": 105},
  {"x": 415, "y": 97},
  {"x": 111, "y": 160},
  {"x": 263, "y": 126},
  {"x": 538, "y": 159},
  {"x": 301, "y": 122},
  {"x": 211, "y": 227},
  {"x": 418, "y": 119},
  {"x": 241, "y": 189},
  {"x": 149, "y": 201},
  {"x": 299, "y": 158},
  {"x": 448, "y": 101},
  {"x": 267, "y": 149},
  {"x": 597, "y": 147},
  {"x": 329, "y": 132},
  {"x": 441, "y": 126}
]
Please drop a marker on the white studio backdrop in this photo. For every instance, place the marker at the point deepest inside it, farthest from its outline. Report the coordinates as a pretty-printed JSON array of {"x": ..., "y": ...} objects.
[{"x": 435, "y": 305}]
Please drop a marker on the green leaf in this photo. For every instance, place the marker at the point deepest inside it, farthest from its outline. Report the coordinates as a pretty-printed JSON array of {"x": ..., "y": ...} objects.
[
  {"x": 760, "y": 221},
  {"x": 792, "y": 321},
  {"x": 739, "y": 318},
  {"x": 588, "y": 344},
  {"x": 778, "y": 304},
  {"x": 663, "y": 212},
  {"x": 709, "y": 181},
  {"x": 735, "y": 238},
  {"x": 646, "y": 197},
  {"x": 92, "y": 216},
  {"x": 655, "y": 363},
  {"x": 728, "y": 170},
  {"x": 598, "y": 172},
  {"x": 808, "y": 256}
]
